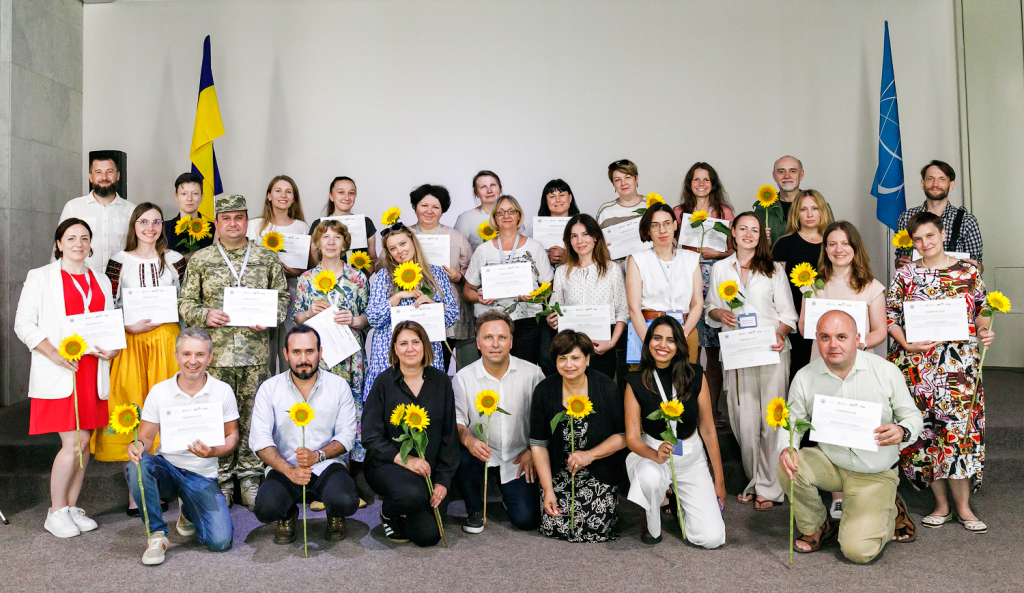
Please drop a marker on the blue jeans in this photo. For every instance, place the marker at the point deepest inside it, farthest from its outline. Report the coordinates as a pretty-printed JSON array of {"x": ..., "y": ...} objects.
[
  {"x": 521, "y": 498},
  {"x": 201, "y": 500}
]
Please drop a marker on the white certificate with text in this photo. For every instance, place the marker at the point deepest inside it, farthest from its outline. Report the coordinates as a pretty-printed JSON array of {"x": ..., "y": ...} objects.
[
  {"x": 102, "y": 329},
  {"x": 593, "y": 320},
  {"x": 356, "y": 225},
  {"x": 295, "y": 253},
  {"x": 815, "y": 308},
  {"x": 624, "y": 239},
  {"x": 430, "y": 316},
  {"x": 338, "y": 341},
  {"x": 713, "y": 239},
  {"x": 941, "y": 320},
  {"x": 248, "y": 307},
  {"x": 501, "y": 281},
  {"x": 436, "y": 248},
  {"x": 549, "y": 230},
  {"x": 159, "y": 304},
  {"x": 845, "y": 422},
  {"x": 744, "y": 348},
  {"x": 180, "y": 426}
]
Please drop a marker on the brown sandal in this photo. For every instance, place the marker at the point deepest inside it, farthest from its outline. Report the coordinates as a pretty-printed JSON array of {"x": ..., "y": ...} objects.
[
  {"x": 828, "y": 531},
  {"x": 763, "y": 505},
  {"x": 905, "y": 531}
]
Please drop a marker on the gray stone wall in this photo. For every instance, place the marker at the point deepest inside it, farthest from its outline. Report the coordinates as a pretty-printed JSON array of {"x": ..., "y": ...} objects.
[{"x": 40, "y": 152}]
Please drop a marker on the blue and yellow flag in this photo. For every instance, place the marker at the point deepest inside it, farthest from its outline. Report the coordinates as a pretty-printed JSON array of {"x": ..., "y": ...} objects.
[
  {"x": 888, "y": 185},
  {"x": 208, "y": 128}
]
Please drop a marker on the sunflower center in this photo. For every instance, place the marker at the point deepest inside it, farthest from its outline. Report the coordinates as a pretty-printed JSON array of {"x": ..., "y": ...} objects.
[
  {"x": 577, "y": 407},
  {"x": 126, "y": 418},
  {"x": 778, "y": 414},
  {"x": 73, "y": 348},
  {"x": 414, "y": 418},
  {"x": 488, "y": 402}
]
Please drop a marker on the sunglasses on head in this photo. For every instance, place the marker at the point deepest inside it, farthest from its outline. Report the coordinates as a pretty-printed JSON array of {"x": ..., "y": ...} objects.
[{"x": 390, "y": 229}]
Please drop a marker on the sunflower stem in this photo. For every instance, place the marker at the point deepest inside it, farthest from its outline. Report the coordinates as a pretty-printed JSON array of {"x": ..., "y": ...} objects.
[
  {"x": 981, "y": 364},
  {"x": 437, "y": 513},
  {"x": 792, "y": 456},
  {"x": 78, "y": 423},
  {"x": 675, "y": 488},
  {"x": 305, "y": 538},
  {"x": 488, "y": 443},
  {"x": 142, "y": 489},
  {"x": 572, "y": 501}
]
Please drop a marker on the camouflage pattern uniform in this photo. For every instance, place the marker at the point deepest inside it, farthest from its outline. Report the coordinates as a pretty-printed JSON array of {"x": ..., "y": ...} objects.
[{"x": 240, "y": 356}]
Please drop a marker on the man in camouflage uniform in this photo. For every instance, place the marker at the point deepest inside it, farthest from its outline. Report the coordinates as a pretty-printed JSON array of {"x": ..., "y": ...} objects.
[{"x": 241, "y": 355}]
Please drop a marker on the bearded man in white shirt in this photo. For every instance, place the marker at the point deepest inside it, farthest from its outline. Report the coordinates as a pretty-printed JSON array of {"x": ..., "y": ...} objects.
[{"x": 103, "y": 209}]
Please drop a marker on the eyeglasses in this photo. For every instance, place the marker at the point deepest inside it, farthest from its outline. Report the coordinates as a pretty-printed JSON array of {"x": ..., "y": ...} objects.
[
  {"x": 144, "y": 222},
  {"x": 657, "y": 226},
  {"x": 504, "y": 213},
  {"x": 388, "y": 230}
]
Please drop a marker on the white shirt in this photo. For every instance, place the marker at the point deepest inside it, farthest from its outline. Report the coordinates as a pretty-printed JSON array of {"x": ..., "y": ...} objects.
[
  {"x": 334, "y": 417},
  {"x": 667, "y": 286},
  {"x": 510, "y": 434},
  {"x": 253, "y": 233},
  {"x": 468, "y": 224},
  {"x": 769, "y": 298},
  {"x": 531, "y": 252},
  {"x": 586, "y": 286},
  {"x": 167, "y": 394},
  {"x": 109, "y": 225},
  {"x": 135, "y": 272}
]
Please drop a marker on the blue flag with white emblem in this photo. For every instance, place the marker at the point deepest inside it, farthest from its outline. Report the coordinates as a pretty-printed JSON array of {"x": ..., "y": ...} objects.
[{"x": 888, "y": 186}]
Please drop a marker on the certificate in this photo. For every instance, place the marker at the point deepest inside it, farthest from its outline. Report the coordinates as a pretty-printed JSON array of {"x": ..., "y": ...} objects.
[
  {"x": 247, "y": 307},
  {"x": 180, "y": 426},
  {"x": 744, "y": 348},
  {"x": 957, "y": 254},
  {"x": 815, "y": 308},
  {"x": 102, "y": 329},
  {"x": 158, "y": 304},
  {"x": 941, "y": 320},
  {"x": 436, "y": 248},
  {"x": 356, "y": 225},
  {"x": 502, "y": 281},
  {"x": 593, "y": 320},
  {"x": 549, "y": 230},
  {"x": 338, "y": 341},
  {"x": 430, "y": 316},
  {"x": 295, "y": 253},
  {"x": 690, "y": 237},
  {"x": 623, "y": 239},
  {"x": 845, "y": 422}
]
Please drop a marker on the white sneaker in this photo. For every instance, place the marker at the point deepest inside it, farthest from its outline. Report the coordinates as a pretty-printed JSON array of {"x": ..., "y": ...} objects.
[
  {"x": 156, "y": 550},
  {"x": 185, "y": 527},
  {"x": 60, "y": 524},
  {"x": 836, "y": 509},
  {"x": 250, "y": 488},
  {"x": 84, "y": 523}
]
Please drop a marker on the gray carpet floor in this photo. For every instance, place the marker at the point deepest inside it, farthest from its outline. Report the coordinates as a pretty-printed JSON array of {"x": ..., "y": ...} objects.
[{"x": 503, "y": 559}]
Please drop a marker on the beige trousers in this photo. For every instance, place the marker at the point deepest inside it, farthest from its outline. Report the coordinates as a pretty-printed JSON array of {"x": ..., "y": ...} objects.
[
  {"x": 748, "y": 392},
  {"x": 869, "y": 511}
]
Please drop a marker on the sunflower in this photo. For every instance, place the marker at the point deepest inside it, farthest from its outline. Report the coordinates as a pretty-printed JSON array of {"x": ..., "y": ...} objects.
[
  {"x": 999, "y": 302},
  {"x": 397, "y": 414},
  {"x": 301, "y": 414},
  {"x": 182, "y": 225},
  {"x": 902, "y": 240},
  {"x": 72, "y": 347},
  {"x": 578, "y": 406},
  {"x": 672, "y": 409},
  {"x": 803, "y": 275},
  {"x": 198, "y": 228},
  {"x": 325, "y": 281},
  {"x": 699, "y": 216},
  {"x": 408, "y": 275},
  {"x": 416, "y": 417},
  {"x": 728, "y": 290},
  {"x": 391, "y": 216},
  {"x": 778, "y": 413},
  {"x": 653, "y": 198},
  {"x": 359, "y": 260},
  {"x": 766, "y": 195},
  {"x": 273, "y": 241},
  {"x": 486, "y": 402},
  {"x": 124, "y": 419},
  {"x": 486, "y": 232},
  {"x": 539, "y": 292}
]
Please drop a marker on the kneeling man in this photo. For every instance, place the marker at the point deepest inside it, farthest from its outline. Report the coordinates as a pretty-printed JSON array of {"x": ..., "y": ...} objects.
[
  {"x": 867, "y": 479},
  {"x": 315, "y": 464},
  {"x": 188, "y": 475}
]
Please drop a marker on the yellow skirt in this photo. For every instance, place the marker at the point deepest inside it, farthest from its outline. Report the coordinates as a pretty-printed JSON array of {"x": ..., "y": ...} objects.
[{"x": 148, "y": 360}]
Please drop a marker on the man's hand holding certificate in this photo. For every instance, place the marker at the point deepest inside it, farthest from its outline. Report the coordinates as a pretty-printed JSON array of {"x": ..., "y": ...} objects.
[
  {"x": 250, "y": 307},
  {"x": 846, "y": 422},
  {"x": 744, "y": 348},
  {"x": 504, "y": 281},
  {"x": 940, "y": 320}
]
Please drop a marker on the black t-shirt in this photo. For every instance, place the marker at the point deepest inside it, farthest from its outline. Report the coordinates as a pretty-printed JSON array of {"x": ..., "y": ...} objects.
[
  {"x": 173, "y": 240},
  {"x": 650, "y": 401},
  {"x": 794, "y": 250},
  {"x": 785, "y": 208},
  {"x": 370, "y": 229}
]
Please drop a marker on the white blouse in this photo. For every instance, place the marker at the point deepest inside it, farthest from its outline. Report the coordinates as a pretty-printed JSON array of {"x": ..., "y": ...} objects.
[
  {"x": 297, "y": 227},
  {"x": 531, "y": 252},
  {"x": 769, "y": 298},
  {"x": 586, "y": 286},
  {"x": 126, "y": 270},
  {"x": 667, "y": 286}
]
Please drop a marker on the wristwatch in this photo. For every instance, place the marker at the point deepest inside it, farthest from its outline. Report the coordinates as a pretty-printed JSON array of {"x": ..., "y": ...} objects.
[
  {"x": 906, "y": 434},
  {"x": 322, "y": 457}
]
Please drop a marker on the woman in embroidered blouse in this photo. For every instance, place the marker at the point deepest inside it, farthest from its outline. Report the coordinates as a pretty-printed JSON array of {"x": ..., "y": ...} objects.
[
  {"x": 401, "y": 246},
  {"x": 589, "y": 277}
]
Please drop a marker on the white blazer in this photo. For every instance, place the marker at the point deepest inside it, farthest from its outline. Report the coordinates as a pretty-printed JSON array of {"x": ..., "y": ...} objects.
[{"x": 41, "y": 317}]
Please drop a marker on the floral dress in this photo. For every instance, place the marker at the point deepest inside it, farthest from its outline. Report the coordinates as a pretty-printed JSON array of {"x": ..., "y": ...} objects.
[
  {"x": 351, "y": 292},
  {"x": 595, "y": 500},
  {"x": 942, "y": 380}
]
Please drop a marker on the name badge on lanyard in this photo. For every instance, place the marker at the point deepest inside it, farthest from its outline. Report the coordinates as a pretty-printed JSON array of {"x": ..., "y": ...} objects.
[{"x": 747, "y": 320}]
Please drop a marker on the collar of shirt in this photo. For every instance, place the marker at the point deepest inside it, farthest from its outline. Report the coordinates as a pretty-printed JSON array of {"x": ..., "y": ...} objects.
[{"x": 178, "y": 394}]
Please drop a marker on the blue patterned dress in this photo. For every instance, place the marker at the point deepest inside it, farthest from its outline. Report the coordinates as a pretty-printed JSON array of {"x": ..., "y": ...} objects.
[
  {"x": 352, "y": 293},
  {"x": 382, "y": 286}
]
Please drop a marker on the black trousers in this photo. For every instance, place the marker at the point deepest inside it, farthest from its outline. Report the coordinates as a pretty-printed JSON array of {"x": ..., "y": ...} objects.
[
  {"x": 405, "y": 494},
  {"x": 333, "y": 487},
  {"x": 526, "y": 340},
  {"x": 799, "y": 355}
]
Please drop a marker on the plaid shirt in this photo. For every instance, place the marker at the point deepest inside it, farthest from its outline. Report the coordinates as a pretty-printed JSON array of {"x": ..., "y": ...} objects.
[{"x": 970, "y": 233}]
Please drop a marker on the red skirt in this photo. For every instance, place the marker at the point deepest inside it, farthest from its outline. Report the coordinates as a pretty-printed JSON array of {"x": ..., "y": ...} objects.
[{"x": 58, "y": 415}]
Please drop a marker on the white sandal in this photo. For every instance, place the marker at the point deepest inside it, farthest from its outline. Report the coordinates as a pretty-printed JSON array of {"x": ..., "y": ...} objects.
[
  {"x": 937, "y": 520},
  {"x": 974, "y": 526}
]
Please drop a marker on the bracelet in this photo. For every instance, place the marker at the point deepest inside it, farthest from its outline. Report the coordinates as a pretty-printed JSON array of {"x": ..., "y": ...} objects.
[{"x": 591, "y": 458}]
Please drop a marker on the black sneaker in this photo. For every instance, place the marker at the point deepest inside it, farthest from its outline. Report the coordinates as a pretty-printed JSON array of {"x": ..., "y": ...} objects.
[
  {"x": 474, "y": 523},
  {"x": 394, "y": 529}
]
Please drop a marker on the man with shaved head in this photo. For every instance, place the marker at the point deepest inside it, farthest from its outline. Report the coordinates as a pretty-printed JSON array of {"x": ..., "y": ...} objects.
[{"x": 867, "y": 479}]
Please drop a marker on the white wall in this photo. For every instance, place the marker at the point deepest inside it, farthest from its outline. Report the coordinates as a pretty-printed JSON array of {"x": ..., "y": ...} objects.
[{"x": 400, "y": 92}]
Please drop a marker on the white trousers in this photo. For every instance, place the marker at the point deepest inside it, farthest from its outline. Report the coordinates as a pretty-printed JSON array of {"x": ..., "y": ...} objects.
[
  {"x": 748, "y": 392},
  {"x": 649, "y": 480}
]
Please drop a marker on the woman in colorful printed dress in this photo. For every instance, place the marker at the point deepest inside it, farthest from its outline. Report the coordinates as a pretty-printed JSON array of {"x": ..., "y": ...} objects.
[{"x": 942, "y": 376}]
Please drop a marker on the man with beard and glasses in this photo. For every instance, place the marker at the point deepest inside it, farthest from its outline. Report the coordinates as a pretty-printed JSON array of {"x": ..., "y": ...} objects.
[
  {"x": 963, "y": 235},
  {"x": 106, "y": 212},
  {"x": 315, "y": 463}
]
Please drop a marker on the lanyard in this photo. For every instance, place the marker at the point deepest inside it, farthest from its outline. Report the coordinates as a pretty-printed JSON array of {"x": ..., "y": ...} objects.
[
  {"x": 668, "y": 281},
  {"x": 245, "y": 260},
  {"x": 419, "y": 231},
  {"x": 501, "y": 252},
  {"x": 661, "y": 390}
]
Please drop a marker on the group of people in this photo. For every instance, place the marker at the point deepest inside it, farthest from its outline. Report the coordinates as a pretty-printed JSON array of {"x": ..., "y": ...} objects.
[{"x": 574, "y": 425}]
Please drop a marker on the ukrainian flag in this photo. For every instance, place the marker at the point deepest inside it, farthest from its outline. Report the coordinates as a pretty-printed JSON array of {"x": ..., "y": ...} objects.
[{"x": 208, "y": 128}]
